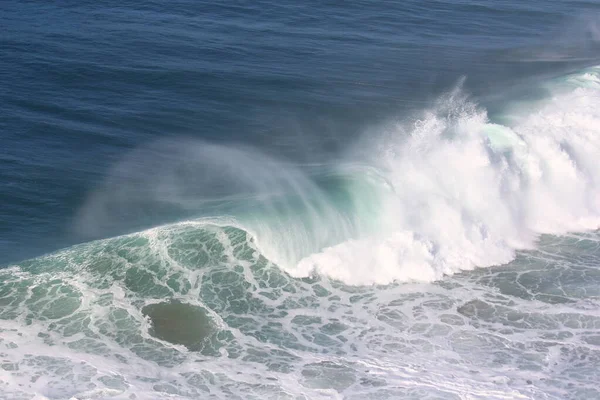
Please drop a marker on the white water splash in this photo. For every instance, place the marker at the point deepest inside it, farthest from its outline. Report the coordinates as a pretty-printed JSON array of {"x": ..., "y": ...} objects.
[{"x": 468, "y": 193}]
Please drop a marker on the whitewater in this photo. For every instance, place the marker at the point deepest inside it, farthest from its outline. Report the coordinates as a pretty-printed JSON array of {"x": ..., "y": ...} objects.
[{"x": 447, "y": 255}]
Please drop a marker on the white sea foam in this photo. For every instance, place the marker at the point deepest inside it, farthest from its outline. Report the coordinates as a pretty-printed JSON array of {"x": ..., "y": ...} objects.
[
  {"x": 487, "y": 335},
  {"x": 468, "y": 193}
]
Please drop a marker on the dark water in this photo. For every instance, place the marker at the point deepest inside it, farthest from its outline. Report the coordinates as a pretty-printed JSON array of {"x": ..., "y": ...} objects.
[{"x": 314, "y": 200}]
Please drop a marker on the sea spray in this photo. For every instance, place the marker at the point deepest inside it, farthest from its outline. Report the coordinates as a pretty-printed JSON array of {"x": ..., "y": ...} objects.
[{"x": 469, "y": 193}]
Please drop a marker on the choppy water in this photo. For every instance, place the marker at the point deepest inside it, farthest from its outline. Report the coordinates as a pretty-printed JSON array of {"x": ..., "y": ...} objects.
[{"x": 300, "y": 201}]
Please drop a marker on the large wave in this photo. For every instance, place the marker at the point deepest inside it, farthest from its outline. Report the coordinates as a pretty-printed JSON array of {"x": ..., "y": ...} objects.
[{"x": 447, "y": 191}]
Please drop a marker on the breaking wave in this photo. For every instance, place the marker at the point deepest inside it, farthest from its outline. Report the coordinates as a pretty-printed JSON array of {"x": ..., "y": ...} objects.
[{"x": 449, "y": 190}]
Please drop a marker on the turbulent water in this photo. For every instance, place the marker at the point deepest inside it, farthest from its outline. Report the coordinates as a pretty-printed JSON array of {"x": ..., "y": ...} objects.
[{"x": 445, "y": 246}]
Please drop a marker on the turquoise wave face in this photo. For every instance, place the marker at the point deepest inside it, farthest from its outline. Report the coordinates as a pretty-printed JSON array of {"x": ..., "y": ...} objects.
[{"x": 176, "y": 263}]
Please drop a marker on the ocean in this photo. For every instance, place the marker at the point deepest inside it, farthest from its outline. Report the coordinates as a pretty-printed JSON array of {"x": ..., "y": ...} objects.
[{"x": 299, "y": 199}]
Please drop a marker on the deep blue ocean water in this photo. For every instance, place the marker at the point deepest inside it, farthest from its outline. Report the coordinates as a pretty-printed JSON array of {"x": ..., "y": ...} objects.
[{"x": 286, "y": 168}]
